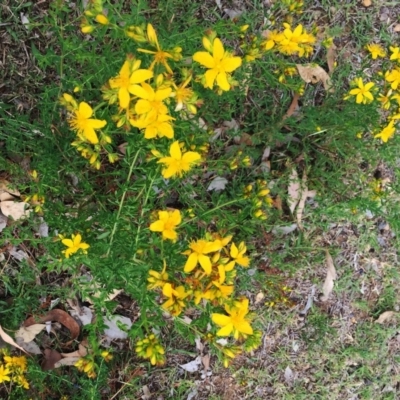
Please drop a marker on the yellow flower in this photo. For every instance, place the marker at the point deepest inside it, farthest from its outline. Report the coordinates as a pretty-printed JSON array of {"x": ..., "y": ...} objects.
[
  {"x": 150, "y": 100},
  {"x": 237, "y": 254},
  {"x": 18, "y": 363},
  {"x": 151, "y": 348},
  {"x": 74, "y": 244},
  {"x": 185, "y": 96},
  {"x": 393, "y": 76},
  {"x": 86, "y": 27},
  {"x": 376, "y": 50},
  {"x": 362, "y": 92},
  {"x": 106, "y": 355},
  {"x": 157, "y": 279},
  {"x": 385, "y": 99},
  {"x": 4, "y": 372},
  {"x": 86, "y": 365},
  {"x": 197, "y": 255},
  {"x": 219, "y": 292},
  {"x": 84, "y": 125},
  {"x": 166, "y": 223},
  {"x": 175, "y": 303},
  {"x": 128, "y": 76},
  {"x": 102, "y": 19},
  {"x": 395, "y": 56},
  {"x": 235, "y": 322},
  {"x": 219, "y": 65},
  {"x": 387, "y": 132},
  {"x": 21, "y": 381},
  {"x": 160, "y": 56},
  {"x": 154, "y": 125},
  {"x": 178, "y": 163},
  {"x": 396, "y": 97},
  {"x": 296, "y": 41},
  {"x": 272, "y": 38}
]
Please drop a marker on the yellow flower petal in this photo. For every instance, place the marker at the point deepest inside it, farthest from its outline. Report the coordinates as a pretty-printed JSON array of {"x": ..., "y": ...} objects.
[
  {"x": 191, "y": 263},
  {"x": 222, "y": 81},
  {"x": 204, "y": 58},
  {"x": 231, "y": 63},
  {"x": 205, "y": 263},
  {"x": 210, "y": 76},
  {"x": 175, "y": 151},
  {"x": 85, "y": 110},
  {"x": 218, "y": 49},
  {"x": 140, "y": 75},
  {"x": 157, "y": 226}
]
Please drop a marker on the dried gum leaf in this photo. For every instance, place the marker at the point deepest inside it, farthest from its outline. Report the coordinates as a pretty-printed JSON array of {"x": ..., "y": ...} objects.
[
  {"x": 8, "y": 339},
  {"x": 330, "y": 277},
  {"x": 27, "y": 334},
  {"x": 311, "y": 73},
  {"x": 15, "y": 210}
]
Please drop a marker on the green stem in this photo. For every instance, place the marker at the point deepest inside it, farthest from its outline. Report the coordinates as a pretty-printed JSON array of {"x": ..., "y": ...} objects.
[
  {"x": 211, "y": 211},
  {"x": 121, "y": 203},
  {"x": 142, "y": 211}
]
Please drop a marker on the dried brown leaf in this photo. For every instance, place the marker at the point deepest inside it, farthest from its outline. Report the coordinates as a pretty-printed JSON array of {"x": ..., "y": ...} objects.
[
  {"x": 27, "y": 334},
  {"x": 302, "y": 201},
  {"x": 294, "y": 189},
  {"x": 8, "y": 339},
  {"x": 57, "y": 315},
  {"x": 293, "y": 106},
  {"x": 385, "y": 316},
  {"x": 312, "y": 73},
  {"x": 330, "y": 277},
  {"x": 51, "y": 358},
  {"x": 331, "y": 55},
  {"x": 14, "y": 209},
  {"x": 67, "y": 361},
  {"x": 6, "y": 186},
  {"x": 6, "y": 196}
]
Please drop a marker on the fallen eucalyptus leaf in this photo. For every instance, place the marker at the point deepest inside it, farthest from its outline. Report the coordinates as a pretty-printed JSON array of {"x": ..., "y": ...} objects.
[
  {"x": 218, "y": 183},
  {"x": 30, "y": 347},
  {"x": 284, "y": 230},
  {"x": 15, "y": 210},
  {"x": 385, "y": 316},
  {"x": 330, "y": 277},
  {"x": 8, "y": 339},
  {"x": 51, "y": 359},
  {"x": 113, "y": 331},
  {"x": 85, "y": 315},
  {"x": 312, "y": 73},
  {"x": 289, "y": 376},
  {"x": 67, "y": 361},
  {"x": 27, "y": 334},
  {"x": 294, "y": 189},
  {"x": 192, "y": 366}
]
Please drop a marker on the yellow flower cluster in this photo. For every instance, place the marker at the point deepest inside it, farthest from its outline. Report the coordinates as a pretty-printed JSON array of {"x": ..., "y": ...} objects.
[
  {"x": 87, "y": 141},
  {"x": 293, "y": 6},
  {"x": 211, "y": 265},
  {"x": 389, "y": 99},
  {"x": 12, "y": 369},
  {"x": 260, "y": 197},
  {"x": 290, "y": 41},
  {"x": 88, "y": 364},
  {"x": 94, "y": 12},
  {"x": 210, "y": 271},
  {"x": 150, "y": 348}
]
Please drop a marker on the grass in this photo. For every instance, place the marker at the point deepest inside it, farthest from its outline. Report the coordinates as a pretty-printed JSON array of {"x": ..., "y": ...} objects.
[{"x": 336, "y": 350}]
